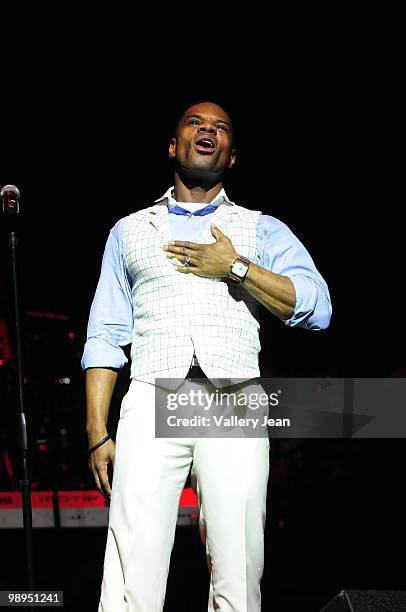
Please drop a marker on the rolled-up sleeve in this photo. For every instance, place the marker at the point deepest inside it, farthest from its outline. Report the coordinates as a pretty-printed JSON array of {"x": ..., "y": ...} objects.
[
  {"x": 281, "y": 252},
  {"x": 111, "y": 314}
]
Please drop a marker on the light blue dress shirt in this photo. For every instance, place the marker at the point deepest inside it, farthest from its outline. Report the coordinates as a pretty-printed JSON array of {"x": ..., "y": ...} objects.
[{"x": 111, "y": 316}]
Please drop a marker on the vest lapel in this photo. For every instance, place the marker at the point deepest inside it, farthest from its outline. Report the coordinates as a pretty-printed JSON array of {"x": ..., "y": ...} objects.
[{"x": 158, "y": 218}]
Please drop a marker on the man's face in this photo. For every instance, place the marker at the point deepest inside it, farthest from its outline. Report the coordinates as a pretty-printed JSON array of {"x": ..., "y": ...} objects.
[{"x": 203, "y": 141}]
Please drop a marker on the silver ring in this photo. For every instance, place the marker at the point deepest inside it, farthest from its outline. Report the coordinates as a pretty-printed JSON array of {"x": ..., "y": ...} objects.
[{"x": 187, "y": 261}]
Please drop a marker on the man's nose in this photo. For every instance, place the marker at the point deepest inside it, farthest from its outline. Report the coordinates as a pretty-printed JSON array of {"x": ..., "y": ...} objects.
[{"x": 206, "y": 126}]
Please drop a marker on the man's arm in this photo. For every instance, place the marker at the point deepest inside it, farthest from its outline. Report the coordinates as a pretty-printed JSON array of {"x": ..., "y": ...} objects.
[
  {"x": 274, "y": 291},
  {"x": 281, "y": 252},
  {"x": 287, "y": 283},
  {"x": 100, "y": 383},
  {"x": 110, "y": 328}
]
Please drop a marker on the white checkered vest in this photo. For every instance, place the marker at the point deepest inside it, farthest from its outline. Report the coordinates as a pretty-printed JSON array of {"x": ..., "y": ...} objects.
[{"x": 176, "y": 315}]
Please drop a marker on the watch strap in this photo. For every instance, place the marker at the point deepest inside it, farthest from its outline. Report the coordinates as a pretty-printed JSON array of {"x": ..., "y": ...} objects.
[{"x": 231, "y": 274}]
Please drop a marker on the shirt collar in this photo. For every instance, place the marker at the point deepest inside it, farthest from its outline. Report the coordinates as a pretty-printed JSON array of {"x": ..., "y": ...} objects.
[{"x": 221, "y": 198}]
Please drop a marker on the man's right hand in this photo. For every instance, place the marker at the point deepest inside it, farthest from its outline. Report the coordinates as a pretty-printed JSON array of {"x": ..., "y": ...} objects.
[
  {"x": 98, "y": 462},
  {"x": 99, "y": 389}
]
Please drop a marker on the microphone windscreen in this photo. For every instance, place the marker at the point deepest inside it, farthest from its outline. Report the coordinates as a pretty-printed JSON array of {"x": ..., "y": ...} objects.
[{"x": 10, "y": 189}]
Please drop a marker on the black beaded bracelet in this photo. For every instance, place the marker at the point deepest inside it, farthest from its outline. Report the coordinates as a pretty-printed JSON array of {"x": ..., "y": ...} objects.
[{"x": 102, "y": 441}]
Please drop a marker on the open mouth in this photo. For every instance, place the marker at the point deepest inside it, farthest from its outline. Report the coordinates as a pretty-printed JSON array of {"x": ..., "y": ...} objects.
[{"x": 205, "y": 145}]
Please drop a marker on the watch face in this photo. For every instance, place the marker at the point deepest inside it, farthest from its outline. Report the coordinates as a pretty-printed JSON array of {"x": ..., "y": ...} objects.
[{"x": 239, "y": 268}]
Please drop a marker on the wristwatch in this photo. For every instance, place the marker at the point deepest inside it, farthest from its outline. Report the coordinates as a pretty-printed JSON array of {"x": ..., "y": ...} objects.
[{"x": 239, "y": 269}]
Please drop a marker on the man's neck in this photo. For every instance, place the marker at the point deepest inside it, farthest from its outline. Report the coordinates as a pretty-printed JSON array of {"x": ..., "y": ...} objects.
[{"x": 195, "y": 193}]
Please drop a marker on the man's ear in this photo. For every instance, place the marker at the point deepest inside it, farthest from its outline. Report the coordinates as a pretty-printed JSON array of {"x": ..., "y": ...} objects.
[
  {"x": 233, "y": 156},
  {"x": 172, "y": 147}
]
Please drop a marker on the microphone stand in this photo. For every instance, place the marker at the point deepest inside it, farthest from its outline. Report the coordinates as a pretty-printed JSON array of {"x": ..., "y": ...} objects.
[{"x": 25, "y": 481}]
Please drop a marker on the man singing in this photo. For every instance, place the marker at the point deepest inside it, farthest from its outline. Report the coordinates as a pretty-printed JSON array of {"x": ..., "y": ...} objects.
[{"x": 182, "y": 281}]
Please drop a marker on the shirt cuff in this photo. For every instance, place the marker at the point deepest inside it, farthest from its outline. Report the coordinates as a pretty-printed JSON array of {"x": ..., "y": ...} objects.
[
  {"x": 98, "y": 353},
  {"x": 307, "y": 297}
]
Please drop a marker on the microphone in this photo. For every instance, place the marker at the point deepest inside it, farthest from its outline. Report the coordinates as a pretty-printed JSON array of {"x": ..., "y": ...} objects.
[{"x": 10, "y": 197}]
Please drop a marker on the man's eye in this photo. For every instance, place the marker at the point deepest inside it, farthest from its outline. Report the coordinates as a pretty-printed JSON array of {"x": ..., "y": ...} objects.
[
  {"x": 223, "y": 127},
  {"x": 193, "y": 122}
]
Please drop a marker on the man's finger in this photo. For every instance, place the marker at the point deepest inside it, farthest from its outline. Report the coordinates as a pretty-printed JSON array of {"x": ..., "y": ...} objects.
[
  {"x": 175, "y": 250},
  {"x": 185, "y": 264},
  {"x": 218, "y": 234},
  {"x": 183, "y": 259},
  {"x": 186, "y": 244},
  {"x": 99, "y": 462},
  {"x": 96, "y": 478},
  {"x": 104, "y": 479},
  {"x": 192, "y": 270},
  {"x": 182, "y": 244},
  {"x": 186, "y": 269}
]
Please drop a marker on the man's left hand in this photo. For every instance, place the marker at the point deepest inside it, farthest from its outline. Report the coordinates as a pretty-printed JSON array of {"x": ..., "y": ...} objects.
[{"x": 209, "y": 260}]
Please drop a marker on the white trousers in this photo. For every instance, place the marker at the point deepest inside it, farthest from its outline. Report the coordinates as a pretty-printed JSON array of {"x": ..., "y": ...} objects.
[{"x": 149, "y": 476}]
